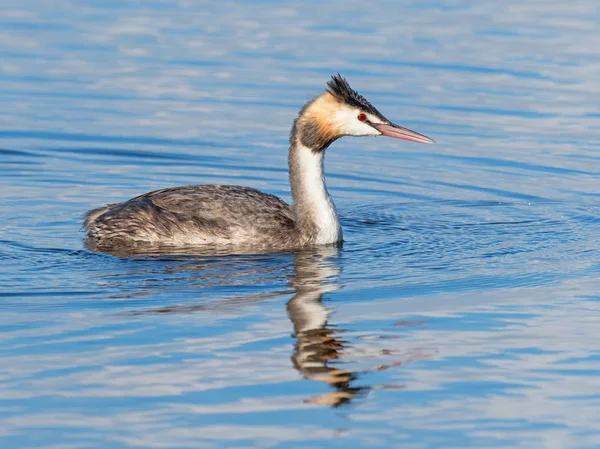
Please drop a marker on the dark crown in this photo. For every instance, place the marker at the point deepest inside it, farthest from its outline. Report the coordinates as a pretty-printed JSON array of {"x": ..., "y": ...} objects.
[{"x": 340, "y": 89}]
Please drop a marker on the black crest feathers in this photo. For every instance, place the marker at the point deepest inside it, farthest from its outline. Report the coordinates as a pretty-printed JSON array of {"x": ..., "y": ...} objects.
[{"x": 340, "y": 89}]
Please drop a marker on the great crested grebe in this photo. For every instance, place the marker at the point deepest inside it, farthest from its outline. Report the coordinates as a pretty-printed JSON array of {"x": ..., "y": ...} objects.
[{"x": 243, "y": 216}]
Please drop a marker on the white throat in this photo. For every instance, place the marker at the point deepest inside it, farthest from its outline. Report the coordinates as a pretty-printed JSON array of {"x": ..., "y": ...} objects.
[{"x": 312, "y": 200}]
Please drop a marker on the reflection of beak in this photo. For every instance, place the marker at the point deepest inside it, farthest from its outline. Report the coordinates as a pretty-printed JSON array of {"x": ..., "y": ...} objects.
[{"x": 393, "y": 130}]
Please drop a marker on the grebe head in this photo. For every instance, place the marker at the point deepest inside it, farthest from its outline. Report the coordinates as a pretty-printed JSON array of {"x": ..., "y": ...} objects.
[
  {"x": 341, "y": 111},
  {"x": 355, "y": 116}
]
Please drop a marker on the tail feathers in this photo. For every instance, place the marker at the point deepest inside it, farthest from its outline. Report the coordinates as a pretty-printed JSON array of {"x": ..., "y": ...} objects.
[{"x": 90, "y": 216}]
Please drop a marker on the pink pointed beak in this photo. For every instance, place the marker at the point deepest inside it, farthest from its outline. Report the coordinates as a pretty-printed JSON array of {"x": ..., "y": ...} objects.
[{"x": 398, "y": 132}]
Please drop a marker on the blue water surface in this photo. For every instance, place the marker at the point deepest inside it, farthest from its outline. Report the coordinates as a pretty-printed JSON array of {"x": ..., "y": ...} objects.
[{"x": 462, "y": 310}]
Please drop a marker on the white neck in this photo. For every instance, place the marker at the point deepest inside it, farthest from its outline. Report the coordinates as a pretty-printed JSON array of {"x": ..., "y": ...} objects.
[{"x": 315, "y": 212}]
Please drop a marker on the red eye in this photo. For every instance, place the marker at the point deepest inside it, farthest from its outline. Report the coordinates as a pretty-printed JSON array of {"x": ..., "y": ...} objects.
[{"x": 362, "y": 117}]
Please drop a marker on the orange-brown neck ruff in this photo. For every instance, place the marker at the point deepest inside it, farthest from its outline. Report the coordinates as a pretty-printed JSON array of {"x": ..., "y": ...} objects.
[{"x": 315, "y": 126}]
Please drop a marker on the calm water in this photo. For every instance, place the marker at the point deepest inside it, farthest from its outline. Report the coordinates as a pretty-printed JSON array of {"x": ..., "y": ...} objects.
[{"x": 462, "y": 310}]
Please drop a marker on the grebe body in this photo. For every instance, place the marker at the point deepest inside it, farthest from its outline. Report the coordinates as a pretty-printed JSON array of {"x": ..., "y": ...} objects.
[{"x": 242, "y": 216}]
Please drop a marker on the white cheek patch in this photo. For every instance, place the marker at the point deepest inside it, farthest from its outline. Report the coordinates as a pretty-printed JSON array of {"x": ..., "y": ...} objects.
[
  {"x": 373, "y": 119},
  {"x": 348, "y": 122}
]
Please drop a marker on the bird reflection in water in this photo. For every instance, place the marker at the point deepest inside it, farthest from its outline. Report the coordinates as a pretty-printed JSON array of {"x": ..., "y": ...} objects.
[{"x": 319, "y": 347}]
